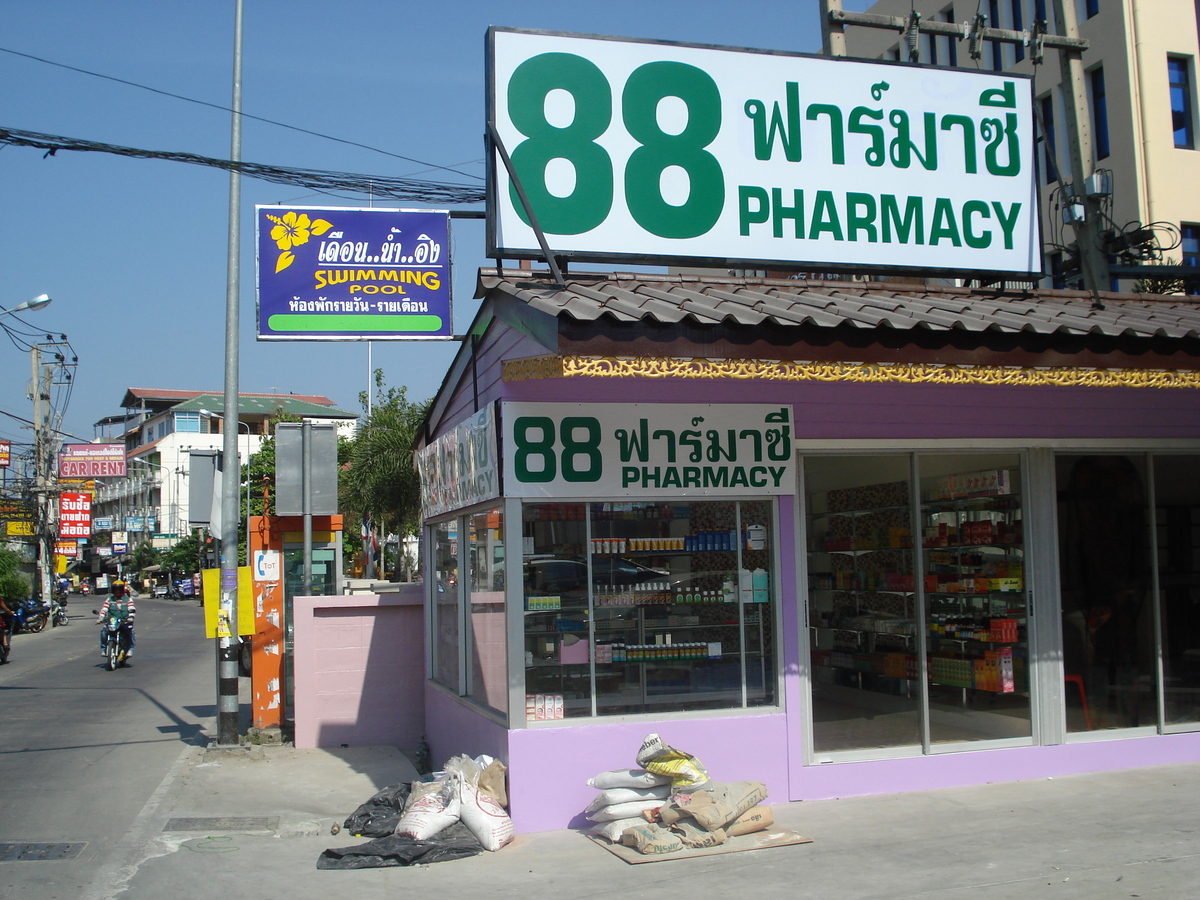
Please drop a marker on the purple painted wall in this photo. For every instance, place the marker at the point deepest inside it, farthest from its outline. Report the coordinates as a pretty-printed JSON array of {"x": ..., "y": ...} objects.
[
  {"x": 549, "y": 767},
  {"x": 912, "y": 411}
]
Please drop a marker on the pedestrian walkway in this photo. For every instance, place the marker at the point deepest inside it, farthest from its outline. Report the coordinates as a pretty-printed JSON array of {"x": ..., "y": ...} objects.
[{"x": 261, "y": 816}]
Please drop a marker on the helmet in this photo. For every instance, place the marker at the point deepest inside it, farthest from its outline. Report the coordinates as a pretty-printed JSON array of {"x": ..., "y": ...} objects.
[{"x": 118, "y": 586}]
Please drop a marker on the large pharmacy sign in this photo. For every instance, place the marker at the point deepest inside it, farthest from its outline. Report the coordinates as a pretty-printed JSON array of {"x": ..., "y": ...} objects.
[
  {"x": 332, "y": 274},
  {"x": 636, "y": 150},
  {"x": 459, "y": 468},
  {"x": 631, "y": 449}
]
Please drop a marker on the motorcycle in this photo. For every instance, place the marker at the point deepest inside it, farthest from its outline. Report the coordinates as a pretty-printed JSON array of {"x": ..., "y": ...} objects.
[
  {"x": 58, "y": 610},
  {"x": 30, "y": 616},
  {"x": 174, "y": 592},
  {"x": 116, "y": 641}
]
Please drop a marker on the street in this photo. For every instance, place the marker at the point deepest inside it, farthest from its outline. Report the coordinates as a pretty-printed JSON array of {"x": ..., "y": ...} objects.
[{"x": 84, "y": 748}]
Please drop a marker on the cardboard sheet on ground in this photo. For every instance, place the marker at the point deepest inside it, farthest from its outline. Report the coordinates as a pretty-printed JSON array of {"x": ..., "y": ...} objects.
[{"x": 759, "y": 840}]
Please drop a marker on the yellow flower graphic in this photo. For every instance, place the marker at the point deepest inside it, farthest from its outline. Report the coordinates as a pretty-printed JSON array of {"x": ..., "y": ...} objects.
[{"x": 292, "y": 231}]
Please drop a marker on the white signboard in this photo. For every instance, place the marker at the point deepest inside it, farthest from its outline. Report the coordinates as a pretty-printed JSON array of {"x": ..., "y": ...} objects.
[
  {"x": 459, "y": 467},
  {"x": 635, "y": 150},
  {"x": 635, "y": 449},
  {"x": 266, "y": 565}
]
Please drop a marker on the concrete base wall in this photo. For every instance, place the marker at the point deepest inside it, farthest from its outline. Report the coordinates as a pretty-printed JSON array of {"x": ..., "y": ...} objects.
[{"x": 359, "y": 669}]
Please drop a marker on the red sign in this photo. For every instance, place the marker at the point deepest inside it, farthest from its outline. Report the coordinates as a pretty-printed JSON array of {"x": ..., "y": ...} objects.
[
  {"x": 5, "y": 452},
  {"x": 92, "y": 461},
  {"x": 74, "y": 516},
  {"x": 66, "y": 548}
]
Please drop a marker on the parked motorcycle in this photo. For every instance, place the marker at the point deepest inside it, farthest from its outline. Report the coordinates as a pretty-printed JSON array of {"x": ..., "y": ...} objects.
[
  {"x": 30, "y": 616},
  {"x": 58, "y": 610},
  {"x": 116, "y": 641}
]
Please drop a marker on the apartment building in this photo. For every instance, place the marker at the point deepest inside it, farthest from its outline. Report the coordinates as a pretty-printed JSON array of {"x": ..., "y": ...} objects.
[{"x": 1140, "y": 69}]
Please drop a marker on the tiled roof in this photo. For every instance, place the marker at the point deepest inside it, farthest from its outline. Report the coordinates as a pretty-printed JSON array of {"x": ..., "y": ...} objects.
[
  {"x": 264, "y": 404},
  {"x": 133, "y": 394},
  {"x": 785, "y": 302}
]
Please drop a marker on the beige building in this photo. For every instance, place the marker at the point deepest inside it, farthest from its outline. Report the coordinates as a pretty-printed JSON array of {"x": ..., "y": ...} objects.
[{"x": 1140, "y": 73}]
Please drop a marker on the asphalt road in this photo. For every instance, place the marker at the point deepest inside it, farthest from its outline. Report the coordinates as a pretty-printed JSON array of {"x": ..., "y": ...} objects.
[{"x": 82, "y": 749}]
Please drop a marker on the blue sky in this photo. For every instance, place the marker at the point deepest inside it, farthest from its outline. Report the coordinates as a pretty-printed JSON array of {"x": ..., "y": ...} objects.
[{"x": 134, "y": 251}]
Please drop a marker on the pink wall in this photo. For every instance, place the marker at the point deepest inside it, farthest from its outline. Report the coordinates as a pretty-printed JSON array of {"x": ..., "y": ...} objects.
[{"x": 360, "y": 669}]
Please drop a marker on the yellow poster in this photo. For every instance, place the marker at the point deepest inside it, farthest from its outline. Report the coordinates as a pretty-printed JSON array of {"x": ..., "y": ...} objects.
[
  {"x": 211, "y": 591},
  {"x": 20, "y": 529}
]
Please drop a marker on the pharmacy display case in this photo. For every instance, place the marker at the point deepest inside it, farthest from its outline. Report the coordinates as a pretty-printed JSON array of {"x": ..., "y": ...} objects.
[{"x": 643, "y": 606}]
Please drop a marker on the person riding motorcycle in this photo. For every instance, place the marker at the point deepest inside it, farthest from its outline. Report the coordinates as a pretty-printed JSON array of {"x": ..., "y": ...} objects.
[
  {"x": 120, "y": 604},
  {"x": 6, "y": 614}
]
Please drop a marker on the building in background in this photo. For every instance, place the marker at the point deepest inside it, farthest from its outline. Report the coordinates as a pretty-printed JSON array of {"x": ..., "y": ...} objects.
[
  {"x": 1140, "y": 74},
  {"x": 160, "y": 428}
]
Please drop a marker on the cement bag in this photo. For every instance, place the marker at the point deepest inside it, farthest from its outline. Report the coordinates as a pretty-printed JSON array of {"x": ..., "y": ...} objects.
[
  {"x": 624, "y": 810},
  {"x": 659, "y": 757},
  {"x": 760, "y": 818},
  {"x": 491, "y": 779},
  {"x": 624, "y": 795},
  {"x": 430, "y": 808},
  {"x": 721, "y": 802},
  {"x": 614, "y": 829},
  {"x": 649, "y": 838},
  {"x": 627, "y": 778},
  {"x": 483, "y": 816},
  {"x": 693, "y": 835}
]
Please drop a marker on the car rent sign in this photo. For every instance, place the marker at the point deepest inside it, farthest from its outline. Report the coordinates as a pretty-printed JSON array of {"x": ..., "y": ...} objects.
[{"x": 633, "y": 150}]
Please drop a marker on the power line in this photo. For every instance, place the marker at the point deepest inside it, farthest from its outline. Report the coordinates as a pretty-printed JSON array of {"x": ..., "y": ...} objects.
[
  {"x": 406, "y": 189},
  {"x": 218, "y": 106}
]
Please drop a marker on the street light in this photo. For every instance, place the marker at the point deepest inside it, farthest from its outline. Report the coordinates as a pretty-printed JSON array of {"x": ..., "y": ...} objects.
[{"x": 38, "y": 302}]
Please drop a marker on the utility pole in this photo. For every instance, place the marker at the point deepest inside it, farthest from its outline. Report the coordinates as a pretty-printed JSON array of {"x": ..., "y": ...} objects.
[
  {"x": 227, "y": 647},
  {"x": 1083, "y": 208},
  {"x": 43, "y": 457}
]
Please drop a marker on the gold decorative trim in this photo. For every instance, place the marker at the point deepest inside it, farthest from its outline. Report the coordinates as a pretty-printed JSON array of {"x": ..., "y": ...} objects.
[{"x": 540, "y": 367}]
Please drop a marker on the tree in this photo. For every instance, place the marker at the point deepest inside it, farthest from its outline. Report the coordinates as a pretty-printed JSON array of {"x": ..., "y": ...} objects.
[
  {"x": 13, "y": 586},
  {"x": 379, "y": 478},
  {"x": 1160, "y": 284}
]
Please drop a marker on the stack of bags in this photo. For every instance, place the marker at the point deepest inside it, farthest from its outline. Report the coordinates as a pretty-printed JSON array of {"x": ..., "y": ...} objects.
[
  {"x": 670, "y": 803},
  {"x": 470, "y": 790}
]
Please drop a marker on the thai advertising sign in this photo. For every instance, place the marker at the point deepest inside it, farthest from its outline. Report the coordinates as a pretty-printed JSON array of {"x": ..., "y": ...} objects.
[
  {"x": 331, "y": 274},
  {"x": 632, "y": 150},
  {"x": 631, "y": 449},
  {"x": 459, "y": 467},
  {"x": 74, "y": 515},
  {"x": 5, "y": 453},
  {"x": 92, "y": 461}
]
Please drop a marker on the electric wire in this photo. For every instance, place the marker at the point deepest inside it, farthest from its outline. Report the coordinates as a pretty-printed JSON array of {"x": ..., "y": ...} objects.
[
  {"x": 429, "y": 166},
  {"x": 397, "y": 188}
]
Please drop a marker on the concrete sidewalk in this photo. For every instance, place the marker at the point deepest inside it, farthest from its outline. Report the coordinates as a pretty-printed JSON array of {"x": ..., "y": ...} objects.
[{"x": 269, "y": 811}]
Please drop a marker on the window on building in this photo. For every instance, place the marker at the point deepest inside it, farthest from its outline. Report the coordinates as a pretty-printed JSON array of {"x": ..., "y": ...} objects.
[
  {"x": 947, "y": 15},
  {"x": 1179, "y": 76},
  {"x": 1058, "y": 280},
  {"x": 1015, "y": 25},
  {"x": 996, "y": 46},
  {"x": 188, "y": 422},
  {"x": 1091, "y": 8},
  {"x": 487, "y": 643},
  {"x": 446, "y": 607},
  {"x": 1047, "y": 158},
  {"x": 1190, "y": 234},
  {"x": 1099, "y": 113},
  {"x": 915, "y": 581},
  {"x": 647, "y": 606}
]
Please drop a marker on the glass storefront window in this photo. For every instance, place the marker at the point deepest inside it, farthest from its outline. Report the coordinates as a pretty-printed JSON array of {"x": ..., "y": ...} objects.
[
  {"x": 924, "y": 641},
  {"x": 975, "y": 589},
  {"x": 1177, "y": 521},
  {"x": 487, "y": 670},
  {"x": 1105, "y": 577},
  {"x": 636, "y": 607},
  {"x": 863, "y": 618},
  {"x": 446, "y": 604}
]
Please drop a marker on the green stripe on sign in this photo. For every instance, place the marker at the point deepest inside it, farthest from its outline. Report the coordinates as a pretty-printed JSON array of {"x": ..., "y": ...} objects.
[{"x": 354, "y": 324}]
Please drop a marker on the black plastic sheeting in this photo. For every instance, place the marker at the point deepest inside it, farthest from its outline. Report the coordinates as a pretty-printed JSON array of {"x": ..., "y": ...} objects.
[{"x": 377, "y": 819}]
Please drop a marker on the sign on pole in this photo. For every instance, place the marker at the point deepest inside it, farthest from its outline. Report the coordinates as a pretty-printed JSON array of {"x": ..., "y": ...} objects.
[
  {"x": 92, "y": 461},
  {"x": 641, "y": 151},
  {"x": 74, "y": 515},
  {"x": 331, "y": 274}
]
